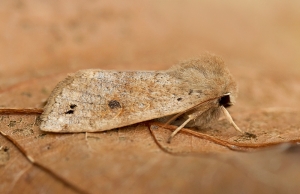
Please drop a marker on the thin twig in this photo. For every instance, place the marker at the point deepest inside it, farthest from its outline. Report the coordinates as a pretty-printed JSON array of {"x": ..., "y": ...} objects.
[
  {"x": 163, "y": 148},
  {"x": 231, "y": 145},
  {"x": 41, "y": 166},
  {"x": 21, "y": 111}
]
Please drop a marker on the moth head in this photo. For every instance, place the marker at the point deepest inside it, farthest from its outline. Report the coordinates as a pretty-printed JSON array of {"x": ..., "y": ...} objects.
[{"x": 226, "y": 100}]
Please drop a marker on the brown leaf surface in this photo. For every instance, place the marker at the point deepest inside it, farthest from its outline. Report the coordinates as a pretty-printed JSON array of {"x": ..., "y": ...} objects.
[{"x": 42, "y": 41}]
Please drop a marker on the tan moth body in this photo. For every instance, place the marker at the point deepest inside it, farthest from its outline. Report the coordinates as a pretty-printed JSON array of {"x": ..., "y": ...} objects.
[{"x": 98, "y": 100}]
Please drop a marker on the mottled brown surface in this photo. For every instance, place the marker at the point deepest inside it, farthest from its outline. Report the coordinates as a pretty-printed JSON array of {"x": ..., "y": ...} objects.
[{"x": 43, "y": 41}]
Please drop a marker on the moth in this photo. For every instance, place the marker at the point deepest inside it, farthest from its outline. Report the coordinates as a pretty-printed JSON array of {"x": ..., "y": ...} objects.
[{"x": 192, "y": 93}]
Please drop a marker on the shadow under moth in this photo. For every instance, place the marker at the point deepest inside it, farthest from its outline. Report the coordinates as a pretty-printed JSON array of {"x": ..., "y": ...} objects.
[{"x": 191, "y": 94}]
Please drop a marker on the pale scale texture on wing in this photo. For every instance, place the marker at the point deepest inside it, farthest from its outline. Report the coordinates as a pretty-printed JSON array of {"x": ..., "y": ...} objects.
[{"x": 98, "y": 100}]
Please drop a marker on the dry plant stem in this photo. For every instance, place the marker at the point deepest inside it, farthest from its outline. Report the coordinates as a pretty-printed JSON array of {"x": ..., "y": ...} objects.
[
  {"x": 231, "y": 145},
  {"x": 25, "y": 111},
  {"x": 159, "y": 145},
  {"x": 31, "y": 160},
  {"x": 40, "y": 166},
  {"x": 182, "y": 154}
]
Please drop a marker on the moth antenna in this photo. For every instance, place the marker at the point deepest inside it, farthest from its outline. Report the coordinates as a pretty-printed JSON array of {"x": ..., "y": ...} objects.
[
  {"x": 229, "y": 118},
  {"x": 180, "y": 127},
  {"x": 181, "y": 113},
  {"x": 226, "y": 113}
]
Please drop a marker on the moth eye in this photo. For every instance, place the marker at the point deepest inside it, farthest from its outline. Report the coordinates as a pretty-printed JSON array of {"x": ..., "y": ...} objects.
[{"x": 225, "y": 101}]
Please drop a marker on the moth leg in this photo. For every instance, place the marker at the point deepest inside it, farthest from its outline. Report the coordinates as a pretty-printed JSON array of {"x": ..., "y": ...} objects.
[
  {"x": 191, "y": 117},
  {"x": 229, "y": 118},
  {"x": 173, "y": 118}
]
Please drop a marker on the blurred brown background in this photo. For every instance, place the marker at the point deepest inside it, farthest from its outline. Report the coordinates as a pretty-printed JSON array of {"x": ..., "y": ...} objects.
[
  {"x": 42, "y": 41},
  {"x": 41, "y": 37},
  {"x": 259, "y": 41}
]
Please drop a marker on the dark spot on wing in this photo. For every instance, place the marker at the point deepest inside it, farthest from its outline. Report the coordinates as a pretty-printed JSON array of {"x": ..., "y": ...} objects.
[
  {"x": 69, "y": 112},
  {"x": 178, "y": 99},
  {"x": 114, "y": 104},
  {"x": 72, "y": 106}
]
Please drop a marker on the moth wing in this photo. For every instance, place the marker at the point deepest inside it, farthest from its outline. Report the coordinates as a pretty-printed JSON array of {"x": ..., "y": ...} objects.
[{"x": 98, "y": 100}]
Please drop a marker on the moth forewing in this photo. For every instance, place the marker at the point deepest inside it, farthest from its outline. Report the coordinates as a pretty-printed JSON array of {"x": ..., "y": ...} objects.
[{"x": 98, "y": 100}]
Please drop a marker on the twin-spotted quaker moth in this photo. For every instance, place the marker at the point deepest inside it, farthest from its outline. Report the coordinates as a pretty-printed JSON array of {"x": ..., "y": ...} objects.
[{"x": 193, "y": 92}]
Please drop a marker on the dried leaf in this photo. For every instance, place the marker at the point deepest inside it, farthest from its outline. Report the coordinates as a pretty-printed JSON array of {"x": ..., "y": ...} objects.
[{"x": 38, "y": 49}]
